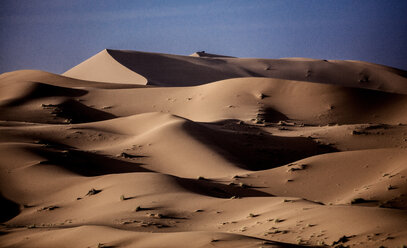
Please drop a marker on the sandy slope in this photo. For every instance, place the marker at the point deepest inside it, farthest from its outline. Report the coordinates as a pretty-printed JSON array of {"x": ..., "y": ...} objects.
[
  {"x": 104, "y": 68},
  {"x": 277, "y": 159}
]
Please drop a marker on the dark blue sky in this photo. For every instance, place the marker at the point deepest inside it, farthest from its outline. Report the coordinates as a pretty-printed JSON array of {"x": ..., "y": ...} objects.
[{"x": 55, "y": 35}]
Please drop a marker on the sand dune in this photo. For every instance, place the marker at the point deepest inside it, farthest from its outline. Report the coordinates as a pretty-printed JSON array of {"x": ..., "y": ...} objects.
[
  {"x": 287, "y": 152},
  {"x": 175, "y": 70},
  {"x": 104, "y": 68}
]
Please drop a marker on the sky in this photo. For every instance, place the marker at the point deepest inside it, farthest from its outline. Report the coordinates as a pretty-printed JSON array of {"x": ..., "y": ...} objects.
[{"x": 56, "y": 35}]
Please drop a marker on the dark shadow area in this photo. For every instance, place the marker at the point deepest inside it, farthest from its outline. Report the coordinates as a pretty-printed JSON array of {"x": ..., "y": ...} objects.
[
  {"x": 366, "y": 104},
  {"x": 9, "y": 209},
  {"x": 169, "y": 217},
  {"x": 364, "y": 202},
  {"x": 51, "y": 144},
  {"x": 250, "y": 148},
  {"x": 130, "y": 156},
  {"x": 77, "y": 112},
  {"x": 86, "y": 163},
  {"x": 277, "y": 244},
  {"x": 139, "y": 209},
  {"x": 271, "y": 115},
  {"x": 213, "y": 189},
  {"x": 37, "y": 90},
  {"x": 399, "y": 202}
]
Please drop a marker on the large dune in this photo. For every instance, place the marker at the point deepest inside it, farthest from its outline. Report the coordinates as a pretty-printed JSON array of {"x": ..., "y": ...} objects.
[
  {"x": 248, "y": 153},
  {"x": 201, "y": 68},
  {"x": 105, "y": 68}
]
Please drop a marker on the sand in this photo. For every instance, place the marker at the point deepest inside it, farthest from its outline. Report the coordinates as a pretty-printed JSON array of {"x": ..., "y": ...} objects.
[{"x": 135, "y": 149}]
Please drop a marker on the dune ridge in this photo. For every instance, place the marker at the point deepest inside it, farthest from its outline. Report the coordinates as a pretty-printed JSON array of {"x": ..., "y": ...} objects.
[{"x": 135, "y": 149}]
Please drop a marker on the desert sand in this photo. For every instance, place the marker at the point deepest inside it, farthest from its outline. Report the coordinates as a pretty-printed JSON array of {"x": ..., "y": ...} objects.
[{"x": 136, "y": 149}]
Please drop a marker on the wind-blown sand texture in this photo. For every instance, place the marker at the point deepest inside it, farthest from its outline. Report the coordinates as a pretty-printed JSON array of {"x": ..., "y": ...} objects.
[{"x": 135, "y": 149}]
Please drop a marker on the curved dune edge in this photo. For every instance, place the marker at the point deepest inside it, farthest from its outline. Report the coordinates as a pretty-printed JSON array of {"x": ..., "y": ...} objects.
[{"x": 103, "y": 68}]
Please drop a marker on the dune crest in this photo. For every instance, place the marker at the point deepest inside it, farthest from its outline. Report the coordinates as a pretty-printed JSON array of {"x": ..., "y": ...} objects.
[
  {"x": 103, "y": 68},
  {"x": 205, "y": 54}
]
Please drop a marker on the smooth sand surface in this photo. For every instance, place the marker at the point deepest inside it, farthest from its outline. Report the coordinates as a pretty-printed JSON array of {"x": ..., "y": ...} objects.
[{"x": 135, "y": 149}]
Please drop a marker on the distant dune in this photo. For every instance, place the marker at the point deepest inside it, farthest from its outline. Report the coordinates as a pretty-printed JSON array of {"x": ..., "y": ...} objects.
[
  {"x": 136, "y": 149},
  {"x": 175, "y": 70}
]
